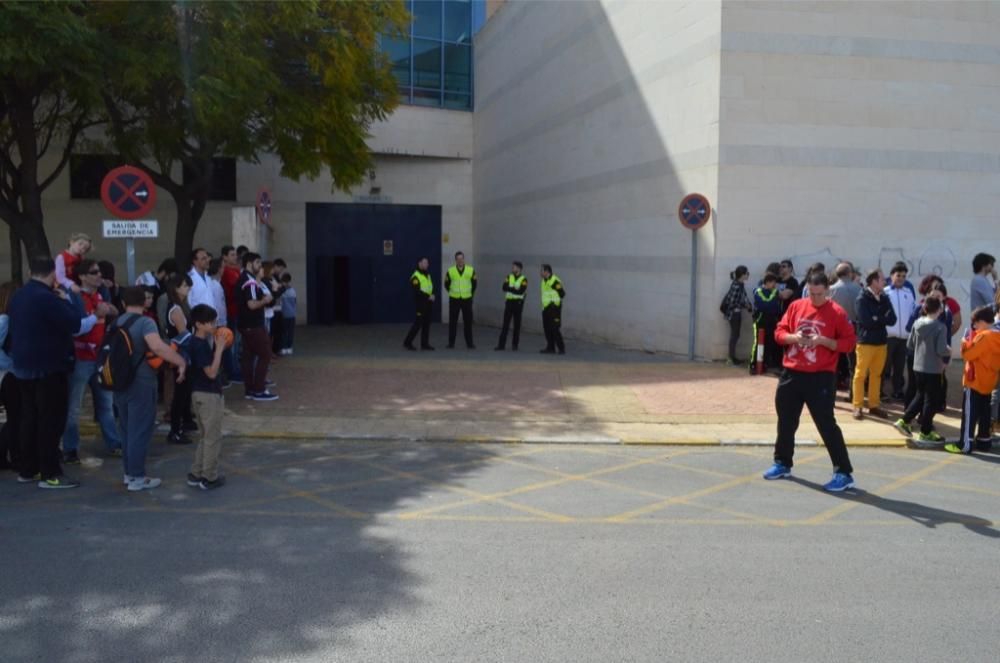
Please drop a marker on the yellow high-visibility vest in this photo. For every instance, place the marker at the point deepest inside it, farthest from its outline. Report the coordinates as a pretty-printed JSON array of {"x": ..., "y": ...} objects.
[
  {"x": 514, "y": 282},
  {"x": 460, "y": 285},
  {"x": 426, "y": 284},
  {"x": 549, "y": 293}
]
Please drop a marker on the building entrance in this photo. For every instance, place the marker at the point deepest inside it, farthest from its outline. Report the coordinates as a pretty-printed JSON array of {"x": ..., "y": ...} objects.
[{"x": 360, "y": 257}]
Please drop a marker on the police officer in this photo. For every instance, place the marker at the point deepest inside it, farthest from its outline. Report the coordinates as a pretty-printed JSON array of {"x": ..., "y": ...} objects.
[
  {"x": 423, "y": 297},
  {"x": 515, "y": 285},
  {"x": 552, "y": 296},
  {"x": 460, "y": 281}
]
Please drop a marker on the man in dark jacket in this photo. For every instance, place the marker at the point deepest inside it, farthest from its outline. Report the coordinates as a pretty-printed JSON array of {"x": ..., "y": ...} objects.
[
  {"x": 250, "y": 303},
  {"x": 874, "y": 313},
  {"x": 423, "y": 302},
  {"x": 43, "y": 323}
]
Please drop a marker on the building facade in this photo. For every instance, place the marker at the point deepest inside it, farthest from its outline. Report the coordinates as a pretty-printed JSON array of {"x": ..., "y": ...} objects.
[{"x": 568, "y": 132}]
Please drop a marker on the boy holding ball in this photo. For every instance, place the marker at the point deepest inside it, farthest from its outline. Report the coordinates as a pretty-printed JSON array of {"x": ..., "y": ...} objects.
[{"x": 207, "y": 347}]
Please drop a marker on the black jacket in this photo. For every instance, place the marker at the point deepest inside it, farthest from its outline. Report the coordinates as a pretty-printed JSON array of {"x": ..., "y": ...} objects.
[
  {"x": 248, "y": 290},
  {"x": 874, "y": 315}
]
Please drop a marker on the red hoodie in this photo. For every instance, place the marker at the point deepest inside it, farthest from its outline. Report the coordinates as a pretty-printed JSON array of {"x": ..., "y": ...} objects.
[
  {"x": 230, "y": 276},
  {"x": 828, "y": 320},
  {"x": 86, "y": 345}
]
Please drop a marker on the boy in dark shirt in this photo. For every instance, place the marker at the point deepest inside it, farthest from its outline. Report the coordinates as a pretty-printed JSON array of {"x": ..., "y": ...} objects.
[
  {"x": 206, "y": 398},
  {"x": 767, "y": 313}
]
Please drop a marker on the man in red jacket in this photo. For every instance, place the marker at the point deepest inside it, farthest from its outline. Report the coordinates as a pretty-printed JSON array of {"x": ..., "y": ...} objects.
[
  {"x": 814, "y": 332},
  {"x": 230, "y": 277}
]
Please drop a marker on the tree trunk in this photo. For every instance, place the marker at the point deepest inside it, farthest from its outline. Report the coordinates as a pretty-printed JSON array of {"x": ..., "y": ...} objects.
[
  {"x": 36, "y": 243},
  {"x": 184, "y": 236},
  {"x": 16, "y": 257}
]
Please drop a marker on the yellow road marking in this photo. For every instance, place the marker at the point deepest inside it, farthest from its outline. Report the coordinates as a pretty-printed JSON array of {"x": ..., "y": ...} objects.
[
  {"x": 498, "y": 497},
  {"x": 355, "y": 458},
  {"x": 329, "y": 504},
  {"x": 635, "y": 491},
  {"x": 681, "y": 499},
  {"x": 843, "y": 508}
]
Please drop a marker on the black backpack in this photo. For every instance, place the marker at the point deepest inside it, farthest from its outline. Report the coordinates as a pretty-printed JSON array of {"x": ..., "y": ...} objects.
[{"x": 118, "y": 359}]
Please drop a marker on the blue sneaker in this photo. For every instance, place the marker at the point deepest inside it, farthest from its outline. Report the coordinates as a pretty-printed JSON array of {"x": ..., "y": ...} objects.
[
  {"x": 777, "y": 471},
  {"x": 839, "y": 483}
]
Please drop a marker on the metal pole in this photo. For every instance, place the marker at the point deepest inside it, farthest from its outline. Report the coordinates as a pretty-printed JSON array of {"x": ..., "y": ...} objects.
[
  {"x": 130, "y": 259},
  {"x": 694, "y": 291}
]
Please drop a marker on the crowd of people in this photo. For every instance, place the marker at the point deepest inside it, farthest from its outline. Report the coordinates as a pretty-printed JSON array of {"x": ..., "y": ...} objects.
[
  {"x": 185, "y": 335},
  {"x": 900, "y": 342}
]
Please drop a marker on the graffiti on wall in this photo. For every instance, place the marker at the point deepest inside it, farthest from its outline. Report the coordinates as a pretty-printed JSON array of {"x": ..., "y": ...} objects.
[{"x": 937, "y": 259}]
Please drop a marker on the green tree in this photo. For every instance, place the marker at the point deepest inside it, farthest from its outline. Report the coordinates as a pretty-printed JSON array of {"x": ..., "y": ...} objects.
[
  {"x": 48, "y": 78},
  {"x": 190, "y": 81}
]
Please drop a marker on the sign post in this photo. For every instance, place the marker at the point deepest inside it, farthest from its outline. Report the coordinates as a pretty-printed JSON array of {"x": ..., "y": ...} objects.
[
  {"x": 694, "y": 212},
  {"x": 264, "y": 228},
  {"x": 129, "y": 193},
  {"x": 129, "y": 230}
]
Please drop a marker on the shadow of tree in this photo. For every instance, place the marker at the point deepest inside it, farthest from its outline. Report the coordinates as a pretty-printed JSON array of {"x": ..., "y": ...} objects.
[
  {"x": 919, "y": 513},
  {"x": 276, "y": 565}
]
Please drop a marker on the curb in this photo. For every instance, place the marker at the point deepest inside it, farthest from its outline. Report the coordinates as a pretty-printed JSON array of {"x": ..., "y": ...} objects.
[{"x": 594, "y": 440}]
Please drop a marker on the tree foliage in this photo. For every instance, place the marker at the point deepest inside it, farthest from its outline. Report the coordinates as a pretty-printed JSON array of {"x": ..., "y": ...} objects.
[
  {"x": 190, "y": 81},
  {"x": 48, "y": 71}
]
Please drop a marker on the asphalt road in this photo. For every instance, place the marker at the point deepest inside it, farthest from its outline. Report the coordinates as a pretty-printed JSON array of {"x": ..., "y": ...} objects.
[{"x": 322, "y": 551}]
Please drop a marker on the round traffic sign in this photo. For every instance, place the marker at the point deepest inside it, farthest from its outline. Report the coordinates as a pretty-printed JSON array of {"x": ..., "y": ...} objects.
[
  {"x": 264, "y": 206},
  {"x": 694, "y": 211},
  {"x": 128, "y": 192}
]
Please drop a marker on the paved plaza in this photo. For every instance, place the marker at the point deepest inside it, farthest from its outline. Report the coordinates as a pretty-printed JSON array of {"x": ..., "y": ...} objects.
[{"x": 323, "y": 547}]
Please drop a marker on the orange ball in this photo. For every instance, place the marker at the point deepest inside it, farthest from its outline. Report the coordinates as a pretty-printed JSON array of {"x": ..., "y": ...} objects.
[{"x": 225, "y": 336}]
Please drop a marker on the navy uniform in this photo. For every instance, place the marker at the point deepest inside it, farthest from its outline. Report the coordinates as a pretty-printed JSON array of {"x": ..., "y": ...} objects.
[{"x": 515, "y": 285}]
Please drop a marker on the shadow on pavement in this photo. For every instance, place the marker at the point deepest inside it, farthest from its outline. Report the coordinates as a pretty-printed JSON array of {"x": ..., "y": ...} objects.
[
  {"x": 275, "y": 566},
  {"x": 925, "y": 515}
]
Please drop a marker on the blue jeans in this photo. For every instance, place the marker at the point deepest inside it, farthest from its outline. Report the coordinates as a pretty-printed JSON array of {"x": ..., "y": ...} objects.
[
  {"x": 84, "y": 374},
  {"x": 287, "y": 333},
  {"x": 137, "y": 416}
]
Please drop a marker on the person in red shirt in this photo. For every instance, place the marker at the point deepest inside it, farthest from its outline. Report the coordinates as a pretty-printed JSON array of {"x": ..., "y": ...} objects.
[
  {"x": 814, "y": 332},
  {"x": 230, "y": 276},
  {"x": 68, "y": 261},
  {"x": 84, "y": 374}
]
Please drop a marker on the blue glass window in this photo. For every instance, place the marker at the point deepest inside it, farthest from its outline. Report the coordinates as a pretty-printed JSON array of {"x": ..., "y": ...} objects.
[
  {"x": 458, "y": 21},
  {"x": 426, "y": 63},
  {"x": 427, "y": 18},
  {"x": 457, "y": 68},
  {"x": 433, "y": 63}
]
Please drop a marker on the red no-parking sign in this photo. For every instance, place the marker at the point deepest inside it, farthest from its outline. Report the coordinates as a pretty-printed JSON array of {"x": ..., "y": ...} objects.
[
  {"x": 694, "y": 211},
  {"x": 264, "y": 206},
  {"x": 128, "y": 192}
]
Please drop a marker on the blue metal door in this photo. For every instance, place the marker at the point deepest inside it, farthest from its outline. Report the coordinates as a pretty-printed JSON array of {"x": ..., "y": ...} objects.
[{"x": 376, "y": 248}]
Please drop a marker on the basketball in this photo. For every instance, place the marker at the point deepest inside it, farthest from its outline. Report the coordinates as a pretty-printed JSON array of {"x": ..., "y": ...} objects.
[
  {"x": 154, "y": 360},
  {"x": 224, "y": 335}
]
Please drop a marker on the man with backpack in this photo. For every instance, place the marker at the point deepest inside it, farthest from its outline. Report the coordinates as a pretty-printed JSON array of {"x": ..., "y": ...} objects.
[
  {"x": 43, "y": 323},
  {"x": 125, "y": 371}
]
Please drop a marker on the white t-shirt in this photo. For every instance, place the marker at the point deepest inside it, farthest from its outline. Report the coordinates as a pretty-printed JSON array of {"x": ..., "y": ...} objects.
[
  {"x": 201, "y": 292},
  {"x": 218, "y": 299}
]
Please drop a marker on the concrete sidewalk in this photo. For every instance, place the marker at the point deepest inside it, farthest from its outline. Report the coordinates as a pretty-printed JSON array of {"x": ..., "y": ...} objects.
[{"x": 359, "y": 383}]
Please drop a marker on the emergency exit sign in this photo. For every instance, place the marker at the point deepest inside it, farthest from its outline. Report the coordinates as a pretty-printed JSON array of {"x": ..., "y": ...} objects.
[{"x": 131, "y": 229}]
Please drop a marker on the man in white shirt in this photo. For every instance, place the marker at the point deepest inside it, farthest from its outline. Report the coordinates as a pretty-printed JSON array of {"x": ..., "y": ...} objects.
[
  {"x": 902, "y": 302},
  {"x": 218, "y": 294},
  {"x": 201, "y": 291}
]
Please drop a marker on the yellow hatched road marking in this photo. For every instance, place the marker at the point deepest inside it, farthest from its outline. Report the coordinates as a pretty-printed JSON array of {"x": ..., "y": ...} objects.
[
  {"x": 636, "y": 491},
  {"x": 841, "y": 509},
  {"x": 499, "y": 497},
  {"x": 682, "y": 499}
]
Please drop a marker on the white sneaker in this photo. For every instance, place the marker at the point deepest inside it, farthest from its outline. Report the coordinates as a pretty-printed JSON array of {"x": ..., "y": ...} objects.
[
  {"x": 127, "y": 479},
  {"x": 143, "y": 483}
]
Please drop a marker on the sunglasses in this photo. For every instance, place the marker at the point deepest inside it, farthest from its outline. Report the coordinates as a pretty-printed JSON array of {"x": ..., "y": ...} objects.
[{"x": 93, "y": 273}]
